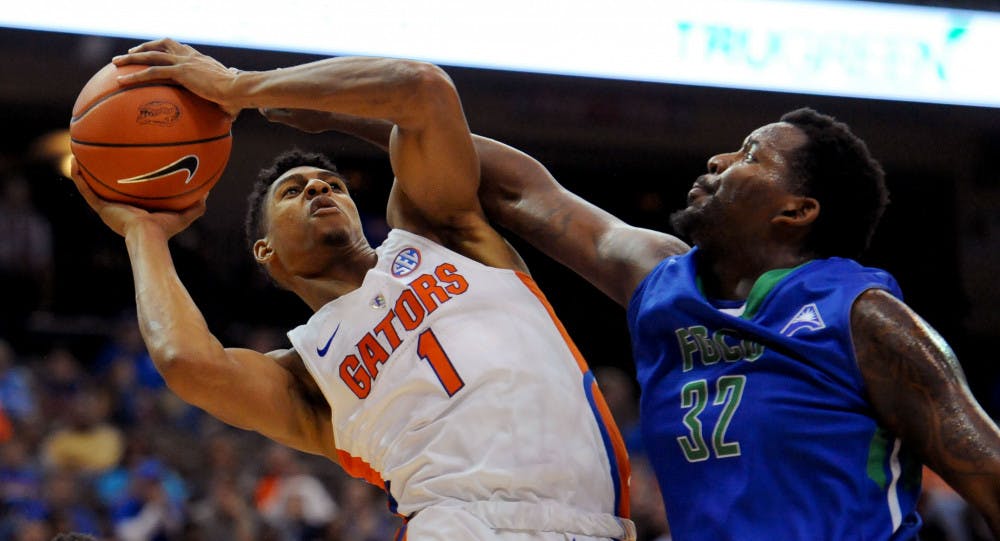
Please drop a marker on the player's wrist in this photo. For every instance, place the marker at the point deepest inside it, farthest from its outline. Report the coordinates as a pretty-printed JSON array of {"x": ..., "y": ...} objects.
[
  {"x": 242, "y": 90},
  {"x": 144, "y": 229}
]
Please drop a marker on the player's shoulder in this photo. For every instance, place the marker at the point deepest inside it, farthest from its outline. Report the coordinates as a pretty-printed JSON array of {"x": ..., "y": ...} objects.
[
  {"x": 301, "y": 379},
  {"x": 478, "y": 242},
  {"x": 839, "y": 272},
  {"x": 875, "y": 306}
]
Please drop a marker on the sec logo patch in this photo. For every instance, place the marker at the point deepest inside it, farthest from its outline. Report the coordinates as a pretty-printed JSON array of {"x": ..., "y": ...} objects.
[{"x": 406, "y": 261}]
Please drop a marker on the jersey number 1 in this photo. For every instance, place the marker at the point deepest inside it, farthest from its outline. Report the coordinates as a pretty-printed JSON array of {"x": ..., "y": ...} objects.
[{"x": 430, "y": 350}]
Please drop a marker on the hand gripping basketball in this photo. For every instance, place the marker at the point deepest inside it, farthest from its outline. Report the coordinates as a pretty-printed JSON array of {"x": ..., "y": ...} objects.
[{"x": 154, "y": 145}]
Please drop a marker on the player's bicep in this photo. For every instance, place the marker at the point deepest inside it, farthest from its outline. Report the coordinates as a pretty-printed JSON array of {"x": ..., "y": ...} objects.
[
  {"x": 631, "y": 254},
  {"x": 274, "y": 394},
  {"x": 432, "y": 155},
  {"x": 919, "y": 392}
]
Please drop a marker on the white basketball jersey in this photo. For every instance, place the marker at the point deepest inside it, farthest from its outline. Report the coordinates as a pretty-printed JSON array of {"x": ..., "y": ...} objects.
[{"x": 451, "y": 382}]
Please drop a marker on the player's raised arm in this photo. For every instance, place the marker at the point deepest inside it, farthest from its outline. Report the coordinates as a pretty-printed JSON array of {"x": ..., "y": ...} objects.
[
  {"x": 431, "y": 149},
  {"x": 272, "y": 395},
  {"x": 919, "y": 392}
]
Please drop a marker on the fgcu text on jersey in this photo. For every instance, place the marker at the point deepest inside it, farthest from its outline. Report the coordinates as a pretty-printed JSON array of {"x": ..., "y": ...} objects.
[
  {"x": 423, "y": 296},
  {"x": 697, "y": 343}
]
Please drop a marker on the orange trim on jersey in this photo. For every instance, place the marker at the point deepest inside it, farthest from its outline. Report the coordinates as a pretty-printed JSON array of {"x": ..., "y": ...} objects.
[
  {"x": 357, "y": 467},
  {"x": 617, "y": 443},
  {"x": 531, "y": 285},
  {"x": 621, "y": 454}
]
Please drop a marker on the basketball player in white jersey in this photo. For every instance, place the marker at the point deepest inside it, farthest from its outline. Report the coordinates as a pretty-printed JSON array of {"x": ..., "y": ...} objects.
[{"x": 432, "y": 367}]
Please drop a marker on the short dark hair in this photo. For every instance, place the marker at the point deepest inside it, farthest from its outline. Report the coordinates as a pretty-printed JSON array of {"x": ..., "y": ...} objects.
[
  {"x": 836, "y": 168},
  {"x": 290, "y": 159}
]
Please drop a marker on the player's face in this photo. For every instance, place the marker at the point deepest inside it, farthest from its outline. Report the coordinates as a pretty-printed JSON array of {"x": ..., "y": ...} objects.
[
  {"x": 309, "y": 213},
  {"x": 744, "y": 189}
]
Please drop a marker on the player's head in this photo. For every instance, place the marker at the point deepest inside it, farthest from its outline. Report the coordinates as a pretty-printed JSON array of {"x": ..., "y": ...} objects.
[
  {"x": 254, "y": 225},
  {"x": 299, "y": 211},
  {"x": 836, "y": 168},
  {"x": 806, "y": 180}
]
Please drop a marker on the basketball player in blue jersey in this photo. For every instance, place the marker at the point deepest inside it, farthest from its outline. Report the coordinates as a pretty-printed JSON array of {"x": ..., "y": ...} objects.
[
  {"x": 787, "y": 391},
  {"x": 432, "y": 366}
]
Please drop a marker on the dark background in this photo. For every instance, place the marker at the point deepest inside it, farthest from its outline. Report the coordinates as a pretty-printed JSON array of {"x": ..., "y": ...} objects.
[{"x": 632, "y": 148}]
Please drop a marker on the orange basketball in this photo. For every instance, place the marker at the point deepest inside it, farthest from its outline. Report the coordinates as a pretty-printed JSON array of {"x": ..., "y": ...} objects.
[{"x": 153, "y": 145}]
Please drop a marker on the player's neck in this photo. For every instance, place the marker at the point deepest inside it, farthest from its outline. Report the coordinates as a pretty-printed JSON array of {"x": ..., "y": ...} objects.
[
  {"x": 339, "y": 279},
  {"x": 731, "y": 274}
]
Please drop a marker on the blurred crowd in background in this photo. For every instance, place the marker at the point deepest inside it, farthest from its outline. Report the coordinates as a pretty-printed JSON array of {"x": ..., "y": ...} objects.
[{"x": 92, "y": 442}]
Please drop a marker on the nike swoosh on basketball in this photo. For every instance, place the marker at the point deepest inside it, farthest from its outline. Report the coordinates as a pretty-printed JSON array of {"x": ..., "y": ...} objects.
[
  {"x": 326, "y": 347},
  {"x": 188, "y": 163}
]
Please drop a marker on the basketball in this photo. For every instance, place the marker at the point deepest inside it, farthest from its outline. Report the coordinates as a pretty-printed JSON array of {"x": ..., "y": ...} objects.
[{"x": 154, "y": 145}]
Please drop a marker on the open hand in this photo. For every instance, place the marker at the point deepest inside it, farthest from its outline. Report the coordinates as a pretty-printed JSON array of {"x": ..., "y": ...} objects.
[{"x": 183, "y": 64}]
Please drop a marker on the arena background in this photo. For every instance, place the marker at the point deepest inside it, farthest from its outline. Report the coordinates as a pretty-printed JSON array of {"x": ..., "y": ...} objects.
[{"x": 633, "y": 148}]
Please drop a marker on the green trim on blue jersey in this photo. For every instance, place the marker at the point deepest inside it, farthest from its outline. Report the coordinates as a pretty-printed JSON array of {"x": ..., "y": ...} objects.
[
  {"x": 763, "y": 286},
  {"x": 878, "y": 452}
]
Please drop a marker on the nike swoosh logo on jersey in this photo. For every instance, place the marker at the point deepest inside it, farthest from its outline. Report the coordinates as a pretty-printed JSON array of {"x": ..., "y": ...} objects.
[
  {"x": 188, "y": 163},
  {"x": 326, "y": 347}
]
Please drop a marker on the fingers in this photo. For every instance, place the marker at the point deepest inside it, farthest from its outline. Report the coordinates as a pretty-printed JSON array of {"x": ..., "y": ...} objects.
[
  {"x": 81, "y": 185},
  {"x": 275, "y": 114},
  {"x": 302, "y": 119},
  {"x": 288, "y": 117},
  {"x": 162, "y": 44},
  {"x": 74, "y": 167},
  {"x": 153, "y": 73},
  {"x": 146, "y": 58},
  {"x": 160, "y": 62},
  {"x": 196, "y": 210},
  {"x": 162, "y": 52}
]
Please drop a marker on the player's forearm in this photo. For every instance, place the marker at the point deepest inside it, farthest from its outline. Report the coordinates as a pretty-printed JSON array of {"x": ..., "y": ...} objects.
[
  {"x": 373, "y": 130},
  {"x": 518, "y": 193},
  {"x": 173, "y": 328},
  {"x": 367, "y": 87},
  {"x": 509, "y": 180}
]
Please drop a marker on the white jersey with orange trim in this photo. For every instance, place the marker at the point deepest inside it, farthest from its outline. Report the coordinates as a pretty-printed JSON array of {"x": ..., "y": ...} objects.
[{"x": 452, "y": 383}]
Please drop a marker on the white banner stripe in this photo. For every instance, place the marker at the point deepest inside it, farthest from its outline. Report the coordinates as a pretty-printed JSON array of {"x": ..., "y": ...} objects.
[{"x": 862, "y": 49}]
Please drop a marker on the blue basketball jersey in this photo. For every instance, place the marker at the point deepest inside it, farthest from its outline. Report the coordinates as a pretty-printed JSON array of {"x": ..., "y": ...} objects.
[{"x": 757, "y": 423}]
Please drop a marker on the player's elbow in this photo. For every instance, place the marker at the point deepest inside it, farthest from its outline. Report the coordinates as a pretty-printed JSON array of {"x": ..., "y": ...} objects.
[
  {"x": 430, "y": 79},
  {"x": 431, "y": 92},
  {"x": 174, "y": 365},
  {"x": 185, "y": 373}
]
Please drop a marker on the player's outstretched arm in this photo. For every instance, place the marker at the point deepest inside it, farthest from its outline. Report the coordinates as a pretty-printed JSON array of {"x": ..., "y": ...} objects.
[
  {"x": 520, "y": 194},
  {"x": 920, "y": 393},
  {"x": 272, "y": 395}
]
